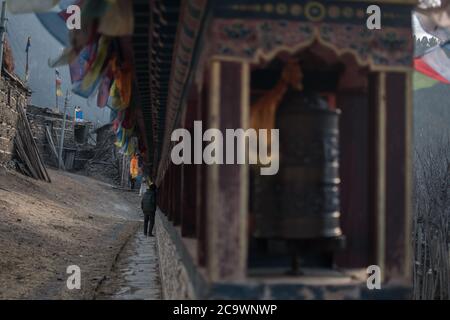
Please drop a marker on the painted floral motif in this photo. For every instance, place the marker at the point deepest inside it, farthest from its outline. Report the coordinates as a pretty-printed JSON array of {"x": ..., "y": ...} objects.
[{"x": 252, "y": 39}]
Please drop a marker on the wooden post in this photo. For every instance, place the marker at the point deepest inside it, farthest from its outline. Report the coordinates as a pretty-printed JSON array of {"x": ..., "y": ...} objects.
[
  {"x": 189, "y": 173},
  {"x": 189, "y": 219},
  {"x": 63, "y": 133},
  {"x": 398, "y": 177},
  {"x": 3, "y": 21},
  {"x": 161, "y": 196},
  {"x": 170, "y": 192},
  {"x": 409, "y": 147},
  {"x": 354, "y": 137},
  {"x": 227, "y": 185},
  {"x": 176, "y": 194},
  {"x": 165, "y": 194},
  {"x": 202, "y": 186},
  {"x": 380, "y": 184}
]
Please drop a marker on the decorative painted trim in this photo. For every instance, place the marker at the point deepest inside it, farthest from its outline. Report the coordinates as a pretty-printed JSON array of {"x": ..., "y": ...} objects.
[
  {"x": 256, "y": 41},
  {"x": 322, "y": 11},
  {"x": 398, "y": 2},
  {"x": 213, "y": 30},
  {"x": 189, "y": 29}
]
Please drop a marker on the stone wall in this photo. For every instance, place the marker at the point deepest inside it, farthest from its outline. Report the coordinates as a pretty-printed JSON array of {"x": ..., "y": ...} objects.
[
  {"x": 39, "y": 133},
  {"x": 182, "y": 279},
  {"x": 105, "y": 163},
  {"x": 40, "y": 118},
  {"x": 12, "y": 93},
  {"x": 177, "y": 283},
  {"x": 104, "y": 133}
]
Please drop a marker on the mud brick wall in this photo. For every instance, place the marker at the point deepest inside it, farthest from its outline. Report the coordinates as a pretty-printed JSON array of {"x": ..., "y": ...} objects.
[
  {"x": 39, "y": 118},
  {"x": 12, "y": 93}
]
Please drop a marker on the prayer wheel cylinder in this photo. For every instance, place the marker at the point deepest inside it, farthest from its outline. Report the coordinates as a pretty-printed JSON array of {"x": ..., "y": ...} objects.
[{"x": 301, "y": 202}]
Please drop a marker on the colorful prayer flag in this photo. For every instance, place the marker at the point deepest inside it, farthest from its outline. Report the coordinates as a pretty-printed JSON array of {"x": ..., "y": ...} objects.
[
  {"x": 435, "y": 22},
  {"x": 421, "y": 81},
  {"x": 435, "y": 63},
  {"x": 59, "y": 92}
]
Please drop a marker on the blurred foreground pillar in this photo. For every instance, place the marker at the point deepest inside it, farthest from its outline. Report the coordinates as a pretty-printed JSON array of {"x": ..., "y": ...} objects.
[{"x": 227, "y": 185}]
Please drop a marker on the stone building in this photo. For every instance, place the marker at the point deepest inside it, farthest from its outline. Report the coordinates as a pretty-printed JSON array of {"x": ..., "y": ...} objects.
[
  {"x": 13, "y": 93},
  {"x": 107, "y": 163},
  {"x": 78, "y": 144}
]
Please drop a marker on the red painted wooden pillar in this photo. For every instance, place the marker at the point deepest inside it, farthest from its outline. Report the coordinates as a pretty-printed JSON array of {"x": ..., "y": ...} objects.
[
  {"x": 177, "y": 194},
  {"x": 355, "y": 179},
  {"x": 390, "y": 176},
  {"x": 189, "y": 219},
  {"x": 170, "y": 192},
  {"x": 166, "y": 194},
  {"x": 398, "y": 176},
  {"x": 161, "y": 196},
  {"x": 170, "y": 203},
  {"x": 201, "y": 183},
  {"x": 202, "y": 216},
  {"x": 189, "y": 180},
  {"x": 227, "y": 185}
]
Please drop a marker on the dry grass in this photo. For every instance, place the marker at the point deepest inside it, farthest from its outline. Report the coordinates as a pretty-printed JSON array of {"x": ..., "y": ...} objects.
[{"x": 431, "y": 222}]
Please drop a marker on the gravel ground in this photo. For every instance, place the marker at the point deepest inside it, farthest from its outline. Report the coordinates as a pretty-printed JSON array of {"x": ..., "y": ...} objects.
[{"x": 45, "y": 227}]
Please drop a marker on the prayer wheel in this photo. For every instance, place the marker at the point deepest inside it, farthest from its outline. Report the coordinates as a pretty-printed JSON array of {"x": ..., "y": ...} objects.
[{"x": 301, "y": 203}]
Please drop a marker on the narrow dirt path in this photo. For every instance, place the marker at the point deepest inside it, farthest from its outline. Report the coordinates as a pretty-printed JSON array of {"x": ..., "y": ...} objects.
[
  {"x": 135, "y": 276},
  {"x": 44, "y": 228}
]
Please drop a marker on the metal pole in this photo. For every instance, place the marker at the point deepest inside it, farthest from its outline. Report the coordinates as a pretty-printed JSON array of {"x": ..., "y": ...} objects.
[
  {"x": 74, "y": 118},
  {"x": 56, "y": 93},
  {"x": 27, "y": 65},
  {"x": 63, "y": 130},
  {"x": 2, "y": 33}
]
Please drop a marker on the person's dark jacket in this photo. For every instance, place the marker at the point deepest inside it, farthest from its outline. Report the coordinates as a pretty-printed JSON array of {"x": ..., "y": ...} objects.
[{"x": 148, "y": 202}]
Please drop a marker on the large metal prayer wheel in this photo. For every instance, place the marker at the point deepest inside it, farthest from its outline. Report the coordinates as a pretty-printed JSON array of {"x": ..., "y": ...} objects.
[{"x": 301, "y": 202}]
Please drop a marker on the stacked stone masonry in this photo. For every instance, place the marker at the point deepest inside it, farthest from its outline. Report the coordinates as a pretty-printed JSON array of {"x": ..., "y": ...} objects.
[
  {"x": 39, "y": 119},
  {"x": 12, "y": 93}
]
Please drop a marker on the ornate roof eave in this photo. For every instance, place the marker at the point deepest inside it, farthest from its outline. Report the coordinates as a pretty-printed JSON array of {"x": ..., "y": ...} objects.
[
  {"x": 152, "y": 42},
  {"x": 405, "y": 2},
  {"x": 192, "y": 15},
  {"x": 141, "y": 47},
  {"x": 184, "y": 60}
]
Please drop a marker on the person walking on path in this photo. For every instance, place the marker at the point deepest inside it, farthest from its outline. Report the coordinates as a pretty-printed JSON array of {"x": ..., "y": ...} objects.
[
  {"x": 144, "y": 186},
  {"x": 148, "y": 205},
  {"x": 134, "y": 171}
]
